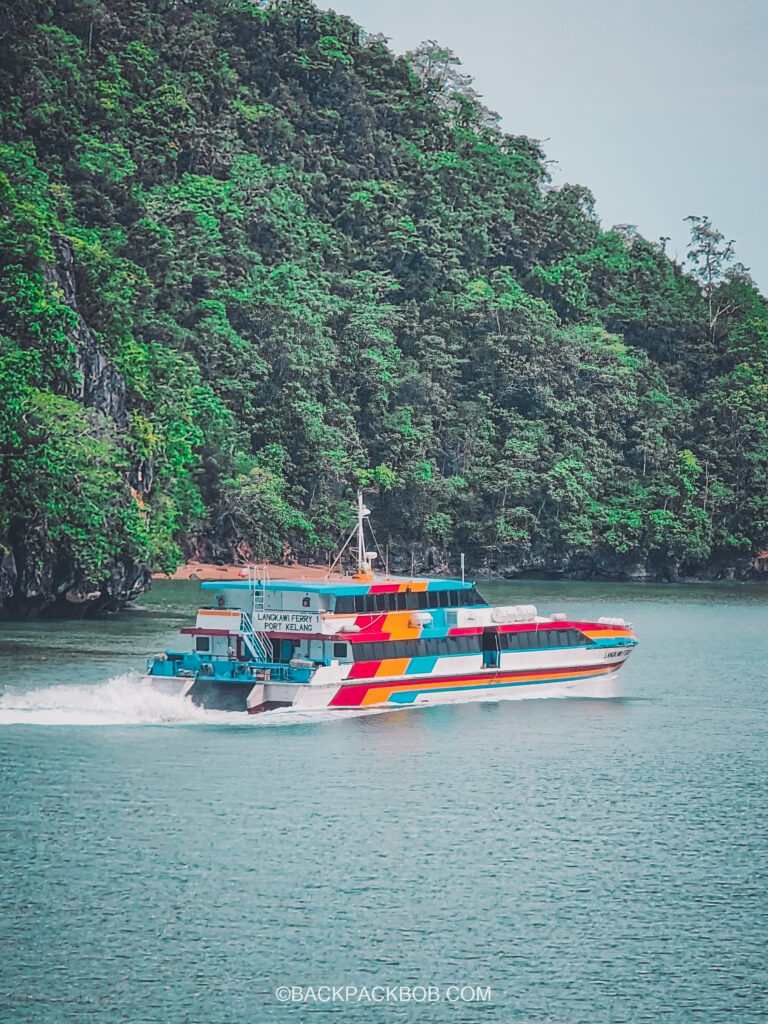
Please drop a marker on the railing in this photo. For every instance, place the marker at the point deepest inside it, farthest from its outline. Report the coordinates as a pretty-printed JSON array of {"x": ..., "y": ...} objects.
[{"x": 258, "y": 644}]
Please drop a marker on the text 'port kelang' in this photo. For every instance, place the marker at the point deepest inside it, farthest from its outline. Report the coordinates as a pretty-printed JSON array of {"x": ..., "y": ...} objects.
[{"x": 372, "y": 640}]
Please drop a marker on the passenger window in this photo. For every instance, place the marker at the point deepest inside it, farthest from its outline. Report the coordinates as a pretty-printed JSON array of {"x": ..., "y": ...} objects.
[
  {"x": 339, "y": 650},
  {"x": 423, "y": 597},
  {"x": 202, "y": 643}
]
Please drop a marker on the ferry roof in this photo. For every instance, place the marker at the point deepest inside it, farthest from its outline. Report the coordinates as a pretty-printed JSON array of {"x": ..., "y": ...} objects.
[{"x": 343, "y": 585}]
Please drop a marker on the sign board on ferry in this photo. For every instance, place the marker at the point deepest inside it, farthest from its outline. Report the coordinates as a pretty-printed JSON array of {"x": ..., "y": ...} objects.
[{"x": 287, "y": 622}]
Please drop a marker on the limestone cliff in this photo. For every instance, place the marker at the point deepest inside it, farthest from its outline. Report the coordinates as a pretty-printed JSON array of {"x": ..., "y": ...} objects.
[{"x": 36, "y": 575}]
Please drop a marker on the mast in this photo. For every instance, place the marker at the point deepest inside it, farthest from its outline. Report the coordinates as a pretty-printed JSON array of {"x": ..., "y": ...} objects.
[
  {"x": 362, "y": 562},
  {"x": 364, "y": 557}
]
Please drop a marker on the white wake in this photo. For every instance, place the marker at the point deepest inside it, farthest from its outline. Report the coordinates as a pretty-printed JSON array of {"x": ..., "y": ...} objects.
[
  {"x": 130, "y": 699},
  {"x": 125, "y": 700}
]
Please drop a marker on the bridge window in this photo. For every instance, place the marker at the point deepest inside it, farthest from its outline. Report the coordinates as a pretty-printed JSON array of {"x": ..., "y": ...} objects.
[
  {"x": 407, "y": 600},
  {"x": 535, "y": 639}
]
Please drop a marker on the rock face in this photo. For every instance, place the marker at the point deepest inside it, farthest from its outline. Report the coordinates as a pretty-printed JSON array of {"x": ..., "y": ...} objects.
[
  {"x": 222, "y": 547},
  {"x": 574, "y": 564},
  {"x": 37, "y": 580},
  {"x": 103, "y": 388},
  {"x": 36, "y": 577}
]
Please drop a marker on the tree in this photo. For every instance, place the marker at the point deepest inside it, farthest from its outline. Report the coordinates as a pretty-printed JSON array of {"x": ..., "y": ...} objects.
[{"x": 710, "y": 256}]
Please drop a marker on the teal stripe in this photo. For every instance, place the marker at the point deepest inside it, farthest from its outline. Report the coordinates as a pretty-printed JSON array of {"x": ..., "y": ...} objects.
[{"x": 409, "y": 696}]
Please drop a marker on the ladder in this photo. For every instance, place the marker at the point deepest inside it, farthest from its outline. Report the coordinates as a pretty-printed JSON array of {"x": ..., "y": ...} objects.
[{"x": 258, "y": 579}]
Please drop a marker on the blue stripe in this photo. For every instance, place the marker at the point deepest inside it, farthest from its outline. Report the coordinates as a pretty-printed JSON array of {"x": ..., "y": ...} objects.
[
  {"x": 409, "y": 696},
  {"x": 422, "y": 665}
]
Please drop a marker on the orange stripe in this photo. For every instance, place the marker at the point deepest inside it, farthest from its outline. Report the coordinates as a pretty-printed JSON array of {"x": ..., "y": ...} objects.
[
  {"x": 377, "y": 695},
  {"x": 398, "y": 625},
  {"x": 381, "y": 694},
  {"x": 608, "y": 633},
  {"x": 393, "y": 667}
]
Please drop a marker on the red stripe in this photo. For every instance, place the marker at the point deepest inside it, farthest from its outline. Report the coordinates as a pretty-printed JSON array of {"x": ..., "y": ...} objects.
[
  {"x": 363, "y": 621},
  {"x": 363, "y": 669},
  {"x": 369, "y": 637},
  {"x": 349, "y": 696}
]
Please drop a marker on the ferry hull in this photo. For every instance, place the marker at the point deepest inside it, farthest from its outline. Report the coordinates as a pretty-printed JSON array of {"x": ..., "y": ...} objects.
[
  {"x": 587, "y": 682},
  {"x": 594, "y": 676},
  {"x": 366, "y": 642}
]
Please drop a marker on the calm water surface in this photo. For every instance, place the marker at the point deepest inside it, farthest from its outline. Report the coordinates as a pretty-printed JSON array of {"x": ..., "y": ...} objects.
[{"x": 587, "y": 860}]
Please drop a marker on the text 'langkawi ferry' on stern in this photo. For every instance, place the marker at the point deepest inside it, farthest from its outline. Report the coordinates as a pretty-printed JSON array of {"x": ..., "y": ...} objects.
[{"x": 367, "y": 641}]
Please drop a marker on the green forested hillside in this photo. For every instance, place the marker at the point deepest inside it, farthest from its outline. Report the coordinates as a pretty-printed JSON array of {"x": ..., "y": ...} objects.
[{"x": 250, "y": 260}]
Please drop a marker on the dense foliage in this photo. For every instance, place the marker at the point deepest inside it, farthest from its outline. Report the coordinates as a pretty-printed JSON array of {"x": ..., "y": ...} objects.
[{"x": 315, "y": 265}]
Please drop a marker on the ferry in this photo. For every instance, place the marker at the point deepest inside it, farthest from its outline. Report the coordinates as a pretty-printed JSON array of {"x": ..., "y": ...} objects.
[{"x": 372, "y": 640}]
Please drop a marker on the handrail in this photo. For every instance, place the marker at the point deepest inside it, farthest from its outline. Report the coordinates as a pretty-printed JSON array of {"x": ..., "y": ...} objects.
[{"x": 259, "y": 643}]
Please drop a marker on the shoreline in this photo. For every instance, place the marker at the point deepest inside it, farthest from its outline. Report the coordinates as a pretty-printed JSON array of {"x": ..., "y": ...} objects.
[
  {"x": 199, "y": 571},
  {"x": 211, "y": 571}
]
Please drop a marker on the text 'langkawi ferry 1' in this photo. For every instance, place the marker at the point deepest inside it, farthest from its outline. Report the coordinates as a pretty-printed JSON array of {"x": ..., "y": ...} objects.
[{"x": 372, "y": 641}]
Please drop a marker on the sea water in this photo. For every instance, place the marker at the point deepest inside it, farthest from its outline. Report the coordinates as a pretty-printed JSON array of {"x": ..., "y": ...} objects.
[{"x": 562, "y": 860}]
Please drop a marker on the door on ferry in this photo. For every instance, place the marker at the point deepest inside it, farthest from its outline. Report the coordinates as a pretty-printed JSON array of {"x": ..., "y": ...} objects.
[
  {"x": 490, "y": 648},
  {"x": 284, "y": 650}
]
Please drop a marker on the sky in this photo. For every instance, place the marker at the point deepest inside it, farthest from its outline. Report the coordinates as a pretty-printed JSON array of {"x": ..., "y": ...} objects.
[{"x": 660, "y": 107}]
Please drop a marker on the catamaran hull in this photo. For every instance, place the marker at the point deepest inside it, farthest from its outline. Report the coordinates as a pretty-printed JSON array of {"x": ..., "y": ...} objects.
[
  {"x": 171, "y": 686},
  {"x": 586, "y": 682},
  {"x": 224, "y": 695}
]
